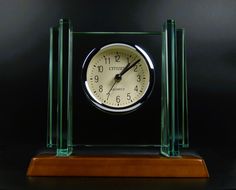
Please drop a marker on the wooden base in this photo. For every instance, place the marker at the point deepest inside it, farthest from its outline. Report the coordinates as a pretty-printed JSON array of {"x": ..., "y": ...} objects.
[{"x": 118, "y": 166}]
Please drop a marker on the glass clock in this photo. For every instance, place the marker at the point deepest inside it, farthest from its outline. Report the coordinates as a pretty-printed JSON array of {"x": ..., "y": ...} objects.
[
  {"x": 117, "y": 105},
  {"x": 117, "y": 89}
]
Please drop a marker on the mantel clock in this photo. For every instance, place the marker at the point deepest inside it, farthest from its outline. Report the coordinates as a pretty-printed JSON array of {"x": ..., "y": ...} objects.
[{"x": 117, "y": 105}]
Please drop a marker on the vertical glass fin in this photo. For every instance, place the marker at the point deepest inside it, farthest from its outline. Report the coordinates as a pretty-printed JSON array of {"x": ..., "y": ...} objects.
[
  {"x": 63, "y": 136},
  {"x": 170, "y": 92},
  {"x": 70, "y": 107},
  {"x": 164, "y": 96},
  {"x": 182, "y": 85},
  {"x": 52, "y": 89}
]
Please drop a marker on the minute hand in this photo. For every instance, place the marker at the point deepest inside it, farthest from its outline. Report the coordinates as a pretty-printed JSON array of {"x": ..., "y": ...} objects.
[{"x": 128, "y": 68}]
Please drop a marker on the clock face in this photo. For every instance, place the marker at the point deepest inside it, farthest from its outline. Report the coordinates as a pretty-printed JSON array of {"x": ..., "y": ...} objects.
[{"x": 118, "y": 77}]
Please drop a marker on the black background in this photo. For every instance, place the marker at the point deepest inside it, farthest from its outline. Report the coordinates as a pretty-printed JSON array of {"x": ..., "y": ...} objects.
[
  {"x": 141, "y": 126},
  {"x": 24, "y": 55},
  {"x": 211, "y": 58}
]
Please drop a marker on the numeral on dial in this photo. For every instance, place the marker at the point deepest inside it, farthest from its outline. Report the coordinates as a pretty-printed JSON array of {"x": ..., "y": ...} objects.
[
  {"x": 100, "y": 68},
  {"x": 117, "y": 57},
  {"x": 96, "y": 78},
  {"x": 138, "y": 78},
  {"x": 107, "y": 60},
  {"x": 135, "y": 68},
  {"x": 100, "y": 88},
  {"x": 118, "y": 99},
  {"x": 128, "y": 96}
]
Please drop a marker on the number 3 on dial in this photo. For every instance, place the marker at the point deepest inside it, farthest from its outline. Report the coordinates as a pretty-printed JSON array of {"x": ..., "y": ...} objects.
[{"x": 118, "y": 77}]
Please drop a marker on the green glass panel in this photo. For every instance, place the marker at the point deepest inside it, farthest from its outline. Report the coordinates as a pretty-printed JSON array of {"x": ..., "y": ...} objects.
[
  {"x": 52, "y": 89},
  {"x": 66, "y": 124},
  {"x": 83, "y": 42},
  {"x": 174, "y": 124},
  {"x": 64, "y": 131},
  {"x": 182, "y": 87},
  {"x": 164, "y": 97}
]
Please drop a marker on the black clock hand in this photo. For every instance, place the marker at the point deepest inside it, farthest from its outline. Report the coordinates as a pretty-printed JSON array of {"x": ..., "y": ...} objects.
[
  {"x": 127, "y": 68},
  {"x": 111, "y": 89},
  {"x": 117, "y": 79},
  {"x": 118, "y": 76}
]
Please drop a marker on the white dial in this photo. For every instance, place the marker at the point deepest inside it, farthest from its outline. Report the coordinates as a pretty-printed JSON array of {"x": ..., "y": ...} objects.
[{"x": 118, "y": 76}]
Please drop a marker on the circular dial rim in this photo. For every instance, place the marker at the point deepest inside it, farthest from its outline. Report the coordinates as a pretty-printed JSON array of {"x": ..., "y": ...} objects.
[{"x": 131, "y": 107}]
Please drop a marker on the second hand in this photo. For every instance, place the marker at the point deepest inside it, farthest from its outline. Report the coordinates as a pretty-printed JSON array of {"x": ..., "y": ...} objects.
[{"x": 108, "y": 94}]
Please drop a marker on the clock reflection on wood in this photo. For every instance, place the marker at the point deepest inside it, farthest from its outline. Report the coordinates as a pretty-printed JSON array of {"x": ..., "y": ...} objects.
[{"x": 117, "y": 105}]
